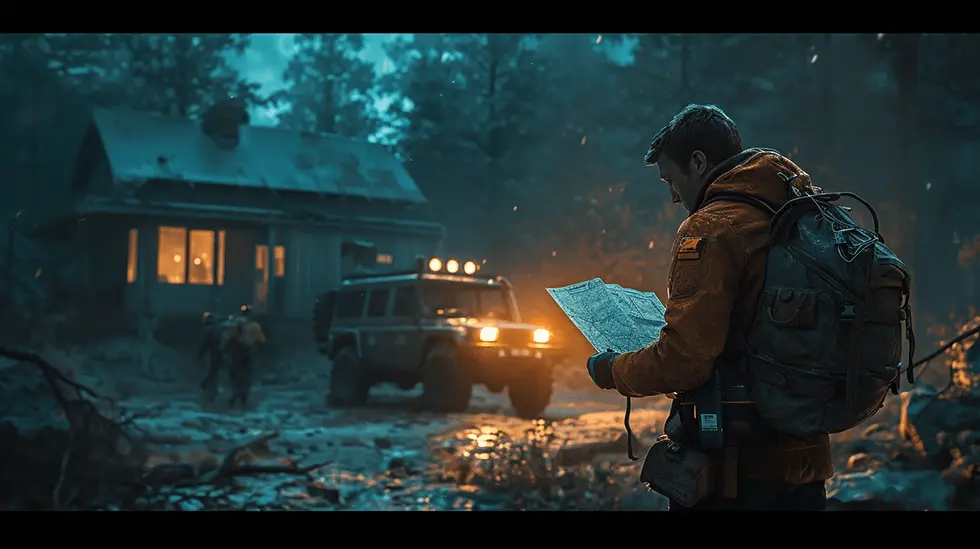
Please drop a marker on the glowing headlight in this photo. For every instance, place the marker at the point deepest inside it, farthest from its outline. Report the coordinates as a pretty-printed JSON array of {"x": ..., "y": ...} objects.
[
  {"x": 452, "y": 266},
  {"x": 541, "y": 335},
  {"x": 435, "y": 264},
  {"x": 469, "y": 267},
  {"x": 489, "y": 333}
]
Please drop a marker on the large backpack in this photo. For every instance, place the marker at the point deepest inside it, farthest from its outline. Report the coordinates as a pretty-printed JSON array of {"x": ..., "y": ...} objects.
[{"x": 826, "y": 343}]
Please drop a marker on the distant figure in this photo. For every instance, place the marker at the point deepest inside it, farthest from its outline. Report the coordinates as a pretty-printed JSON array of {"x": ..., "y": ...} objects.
[
  {"x": 241, "y": 337},
  {"x": 210, "y": 349}
]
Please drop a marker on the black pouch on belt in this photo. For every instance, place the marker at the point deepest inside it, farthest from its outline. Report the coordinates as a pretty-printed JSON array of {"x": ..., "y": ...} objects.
[{"x": 677, "y": 472}]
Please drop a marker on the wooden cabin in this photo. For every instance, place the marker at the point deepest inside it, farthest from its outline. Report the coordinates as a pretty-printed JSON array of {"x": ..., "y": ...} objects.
[{"x": 174, "y": 217}]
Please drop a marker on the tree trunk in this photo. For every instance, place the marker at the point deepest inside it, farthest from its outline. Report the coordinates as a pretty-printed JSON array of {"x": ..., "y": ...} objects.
[
  {"x": 908, "y": 174},
  {"x": 828, "y": 125}
]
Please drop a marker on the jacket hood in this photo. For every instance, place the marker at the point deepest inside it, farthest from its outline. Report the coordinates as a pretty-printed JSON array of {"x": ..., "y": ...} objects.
[{"x": 760, "y": 173}]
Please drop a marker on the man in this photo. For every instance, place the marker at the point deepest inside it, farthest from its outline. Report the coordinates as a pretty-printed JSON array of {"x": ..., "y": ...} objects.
[
  {"x": 242, "y": 336},
  {"x": 717, "y": 273},
  {"x": 210, "y": 350}
]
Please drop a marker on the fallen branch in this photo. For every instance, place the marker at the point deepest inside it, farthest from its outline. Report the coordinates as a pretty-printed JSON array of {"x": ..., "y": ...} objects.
[
  {"x": 96, "y": 472},
  {"x": 91, "y": 462}
]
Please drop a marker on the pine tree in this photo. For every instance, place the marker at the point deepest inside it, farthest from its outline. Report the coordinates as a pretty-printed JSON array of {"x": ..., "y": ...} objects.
[{"x": 332, "y": 90}]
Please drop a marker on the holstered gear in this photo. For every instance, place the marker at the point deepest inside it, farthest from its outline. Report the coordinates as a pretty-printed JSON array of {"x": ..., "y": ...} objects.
[
  {"x": 714, "y": 419},
  {"x": 678, "y": 472}
]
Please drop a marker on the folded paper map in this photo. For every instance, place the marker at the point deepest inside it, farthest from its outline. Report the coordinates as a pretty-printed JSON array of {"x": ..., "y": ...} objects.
[{"x": 611, "y": 316}]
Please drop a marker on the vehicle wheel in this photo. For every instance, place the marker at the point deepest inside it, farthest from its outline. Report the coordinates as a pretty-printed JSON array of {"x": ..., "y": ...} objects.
[
  {"x": 446, "y": 387},
  {"x": 530, "y": 395},
  {"x": 349, "y": 384}
]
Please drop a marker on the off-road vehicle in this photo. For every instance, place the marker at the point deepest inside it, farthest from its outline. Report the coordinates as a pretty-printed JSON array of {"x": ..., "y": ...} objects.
[{"x": 446, "y": 331}]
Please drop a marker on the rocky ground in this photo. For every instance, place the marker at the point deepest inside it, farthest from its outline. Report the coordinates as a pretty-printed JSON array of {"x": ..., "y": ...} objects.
[{"x": 163, "y": 448}]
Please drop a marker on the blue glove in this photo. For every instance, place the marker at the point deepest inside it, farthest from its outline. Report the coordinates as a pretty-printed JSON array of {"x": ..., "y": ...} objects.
[{"x": 600, "y": 369}]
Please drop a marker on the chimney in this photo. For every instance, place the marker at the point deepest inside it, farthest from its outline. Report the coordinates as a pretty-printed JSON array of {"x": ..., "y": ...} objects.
[{"x": 223, "y": 120}]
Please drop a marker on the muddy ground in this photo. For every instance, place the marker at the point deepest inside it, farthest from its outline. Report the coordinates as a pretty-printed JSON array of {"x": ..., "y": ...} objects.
[
  {"x": 290, "y": 451},
  {"x": 392, "y": 455}
]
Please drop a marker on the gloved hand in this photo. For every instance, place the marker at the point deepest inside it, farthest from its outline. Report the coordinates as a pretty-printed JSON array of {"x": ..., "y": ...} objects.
[{"x": 600, "y": 369}]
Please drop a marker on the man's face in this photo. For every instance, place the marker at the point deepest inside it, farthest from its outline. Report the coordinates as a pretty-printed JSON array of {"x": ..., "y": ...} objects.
[{"x": 684, "y": 182}]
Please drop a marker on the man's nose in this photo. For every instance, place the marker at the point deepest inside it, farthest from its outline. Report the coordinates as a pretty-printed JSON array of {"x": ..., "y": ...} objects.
[{"x": 674, "y": 197}]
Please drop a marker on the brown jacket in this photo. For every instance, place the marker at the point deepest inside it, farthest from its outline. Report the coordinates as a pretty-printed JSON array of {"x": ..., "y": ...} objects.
[{"x": 716, "y": 275}]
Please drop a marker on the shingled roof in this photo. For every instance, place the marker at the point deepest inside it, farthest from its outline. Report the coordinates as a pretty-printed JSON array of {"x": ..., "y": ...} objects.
[{"x": 142, "y": 146}]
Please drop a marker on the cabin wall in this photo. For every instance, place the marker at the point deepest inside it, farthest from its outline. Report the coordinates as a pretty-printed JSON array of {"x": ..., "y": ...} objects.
[
  {"x": 149, "y": 280},
  {"x": 312, "y": 267},
  {"x": 315, "y": 264}
]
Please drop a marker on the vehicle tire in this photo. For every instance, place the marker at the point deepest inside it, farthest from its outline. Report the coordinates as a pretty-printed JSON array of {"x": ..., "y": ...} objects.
[
  {"x": 531, "y": 394},
  {"x": 446, "y": 388},
  {"x": 349, "y": 383}
]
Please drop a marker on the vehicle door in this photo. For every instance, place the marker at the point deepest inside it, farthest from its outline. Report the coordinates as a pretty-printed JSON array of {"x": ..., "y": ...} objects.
[
  {"x": 406, "y": 338},
  {"x": 376, "y": 327}
]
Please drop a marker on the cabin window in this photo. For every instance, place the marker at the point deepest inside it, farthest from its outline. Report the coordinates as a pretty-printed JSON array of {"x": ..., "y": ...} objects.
[
  {"x": 385, "y": 259},
  {"x": 221, "y": 258},
  {"x": 280, "y": 257},
  {"x": 132, "y": 256},
  {"x": 190, "y": 256},
  {"x": 200, "y": 270},
  {"x": 262, "y": 259},
  {"x": 172, "y": 255}
]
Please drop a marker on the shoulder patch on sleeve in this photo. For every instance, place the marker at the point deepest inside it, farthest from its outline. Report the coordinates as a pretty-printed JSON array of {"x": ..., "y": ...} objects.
[{"x": 690, "y": 248}]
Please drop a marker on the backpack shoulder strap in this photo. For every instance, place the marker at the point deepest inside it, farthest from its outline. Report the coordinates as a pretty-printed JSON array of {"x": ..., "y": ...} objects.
[{"x": 744, "y": 199}]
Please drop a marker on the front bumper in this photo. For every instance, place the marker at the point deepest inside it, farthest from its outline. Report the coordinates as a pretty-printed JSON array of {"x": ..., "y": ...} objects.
[{"x": 501, "y": 363}]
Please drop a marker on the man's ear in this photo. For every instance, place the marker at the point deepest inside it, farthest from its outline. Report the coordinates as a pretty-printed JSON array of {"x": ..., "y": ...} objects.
[{"x": 698, "y": 163}]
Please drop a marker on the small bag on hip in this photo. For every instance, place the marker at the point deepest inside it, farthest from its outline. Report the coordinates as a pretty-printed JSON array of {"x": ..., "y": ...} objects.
[{"x": 677, "y": 472}]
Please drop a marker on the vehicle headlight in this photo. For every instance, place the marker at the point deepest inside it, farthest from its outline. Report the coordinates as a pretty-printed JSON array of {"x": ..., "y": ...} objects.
[
  {"x": 489, "y": 333},
  {"x": 541, "y": 335}
]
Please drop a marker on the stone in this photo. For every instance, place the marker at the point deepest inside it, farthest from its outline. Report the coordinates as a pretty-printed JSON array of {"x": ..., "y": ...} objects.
[{"x": 884, "y": 490}]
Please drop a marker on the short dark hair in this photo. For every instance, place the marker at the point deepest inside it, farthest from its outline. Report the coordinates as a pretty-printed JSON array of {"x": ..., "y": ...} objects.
[{"x": 704, "y": 128}]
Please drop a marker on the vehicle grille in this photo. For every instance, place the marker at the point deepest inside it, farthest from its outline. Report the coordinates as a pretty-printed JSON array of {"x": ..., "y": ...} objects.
[{"x": 515, "y": 337}]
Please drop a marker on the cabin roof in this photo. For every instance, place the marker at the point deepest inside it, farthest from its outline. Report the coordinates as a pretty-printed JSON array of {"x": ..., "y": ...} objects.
[{"x": 143, "y": 146}]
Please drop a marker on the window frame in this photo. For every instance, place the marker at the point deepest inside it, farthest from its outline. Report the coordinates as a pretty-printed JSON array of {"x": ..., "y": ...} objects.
[
  {"x": 218, "y": 251},
  {"x": 416, "y": 302},
  {"x": 346, "y": 292},
  {"x": 370, "y": 300}
]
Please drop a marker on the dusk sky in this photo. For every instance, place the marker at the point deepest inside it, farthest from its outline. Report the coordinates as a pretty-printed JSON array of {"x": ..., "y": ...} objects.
[{"x": 266, "y": 61}]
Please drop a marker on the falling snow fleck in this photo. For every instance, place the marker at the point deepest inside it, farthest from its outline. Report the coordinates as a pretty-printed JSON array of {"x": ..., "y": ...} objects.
[
  {"x": 584, "y": 139},
  {"x": 814, "y": 58},
  {"x": 650, "y": 245},
  {"x": 928, "y": 185},
  {"x": 881, "y": 35},
  {"x": 598, "y": 39},
  {"x": 553, "y": 253},
  {"x": 515, "y": 208}
]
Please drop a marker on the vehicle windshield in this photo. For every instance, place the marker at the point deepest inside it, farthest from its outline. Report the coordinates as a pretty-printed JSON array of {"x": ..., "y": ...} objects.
[{"x": 469, "y": 300}]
